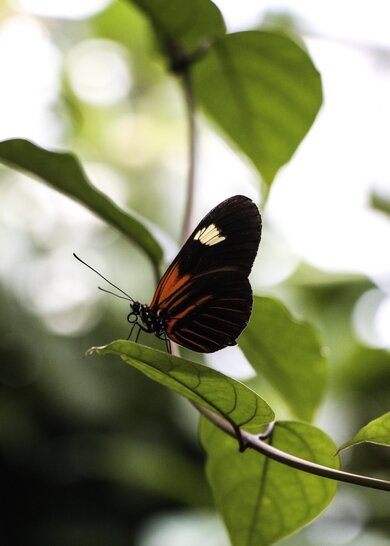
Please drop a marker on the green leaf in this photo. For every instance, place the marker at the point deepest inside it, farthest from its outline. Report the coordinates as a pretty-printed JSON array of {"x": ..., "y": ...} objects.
[
  {"x": 183, "y": 26},
  {"x": 63, "y": 172},
  {"x": 211, "y": 389},
  {"x": 261, "y": 500},
  {"x": 263, "y": 90},
  {"x": 288, "y": 353},
  {"x": 376, "y": 432},
  {"x": 380, "y": 202}
]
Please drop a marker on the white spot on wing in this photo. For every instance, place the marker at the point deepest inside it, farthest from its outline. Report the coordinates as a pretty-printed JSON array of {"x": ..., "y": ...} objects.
[{"x": 209, "y": 235}]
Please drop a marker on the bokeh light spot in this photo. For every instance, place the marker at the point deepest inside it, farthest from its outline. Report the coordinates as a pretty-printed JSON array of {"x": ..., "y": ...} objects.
[{"x": 99, "y": 72}]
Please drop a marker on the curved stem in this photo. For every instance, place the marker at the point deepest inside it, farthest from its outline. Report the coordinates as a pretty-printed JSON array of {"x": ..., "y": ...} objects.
[
  {"x": 190, "y": 110},
  {"x": 255, "y": 442}
]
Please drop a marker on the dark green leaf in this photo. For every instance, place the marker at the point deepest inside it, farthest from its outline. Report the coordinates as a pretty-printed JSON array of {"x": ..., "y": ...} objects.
[
  {"x": 63, "y": 172},
  {"x": 183, "y": 25},
  {"x": 261, "y": 500},
  {"x": 288, "y": 353},
  {"x": 376, "y": 432},
  {"x": 209, "y": 388},
  {"x": 263, "y": 90}
]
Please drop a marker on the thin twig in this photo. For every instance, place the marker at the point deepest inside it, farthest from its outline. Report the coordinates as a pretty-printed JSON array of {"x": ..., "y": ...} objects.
[
  {"x": 191, "y": 128},
  {"x": 255, "y": 442}
]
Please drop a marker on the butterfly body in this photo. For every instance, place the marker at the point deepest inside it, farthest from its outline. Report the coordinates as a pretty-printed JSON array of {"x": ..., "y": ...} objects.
[
  {"x": 204, "y": 300},
  {"x": 151, "y": 322}
]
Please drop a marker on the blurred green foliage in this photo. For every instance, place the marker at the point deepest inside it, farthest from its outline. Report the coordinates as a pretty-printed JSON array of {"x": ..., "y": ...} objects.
[{"x": 288, "y": 353}]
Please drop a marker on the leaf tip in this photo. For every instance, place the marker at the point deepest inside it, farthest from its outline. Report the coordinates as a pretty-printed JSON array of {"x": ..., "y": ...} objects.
[{"x": 90, "y": 351}]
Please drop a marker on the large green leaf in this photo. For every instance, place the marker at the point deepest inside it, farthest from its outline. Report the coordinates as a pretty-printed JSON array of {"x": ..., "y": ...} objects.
[
  {"x": 262, "y": 501},
  {"x": 209, "y": 388},
  {"x": 183, "y": 27},
  {"x": 63, "y": 172},
  {"x": 263, "y": 90},
  {"x": 376, "y": 432},
  {"x": 288, "y": 353}
]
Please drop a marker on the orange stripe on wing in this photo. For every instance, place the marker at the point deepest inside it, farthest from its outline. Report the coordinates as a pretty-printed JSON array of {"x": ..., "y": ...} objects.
[
  {"x": 179, "y": 338},
  {"x": 172, "y": 320},
  {"x": 211, "y": 340},
  {"x": 209, "y": 327},
  {"x": 170, "y": 283}
]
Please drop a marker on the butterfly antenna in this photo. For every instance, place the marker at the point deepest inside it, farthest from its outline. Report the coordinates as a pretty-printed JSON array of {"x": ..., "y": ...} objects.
[
  {"x": 104, "y": 278},
  {"x": 113, "y": 293}
]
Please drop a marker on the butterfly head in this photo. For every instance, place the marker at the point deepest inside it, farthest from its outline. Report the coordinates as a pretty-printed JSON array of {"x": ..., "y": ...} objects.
[
  {"x": 146, "y": 318},
  {"x": 135, "y": 311}
]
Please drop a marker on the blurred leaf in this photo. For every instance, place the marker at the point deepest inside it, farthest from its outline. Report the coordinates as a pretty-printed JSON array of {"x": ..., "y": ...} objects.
[
  {"x": 263, "y": 90},
  {"x": 63, "y": 172},
  {"x": 288, "y": 353},
  {"x": 261, "y": 500},
  {"x": 376, "y": 432},
  {"x": 124, "y": 23},
  {"x": 380, "y": 202},
  {"x": 364, "y": 369},
  {"x": 170, "y": 474},
  {"x": 183, "y": 26},
  {"x": 207, "y": 387}
]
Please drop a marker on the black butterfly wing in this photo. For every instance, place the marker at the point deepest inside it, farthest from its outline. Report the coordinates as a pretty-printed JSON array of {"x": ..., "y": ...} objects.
[
  {"x": 228, "y": 236},
  {"x": 212, "y": 312},
  {"x": 206, "y": 286}
]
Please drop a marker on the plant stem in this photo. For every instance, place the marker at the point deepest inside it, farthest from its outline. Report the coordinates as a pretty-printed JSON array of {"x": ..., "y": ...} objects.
[
  {"x": 255, "y": 442},
  {"x": 190, "y": 110}
]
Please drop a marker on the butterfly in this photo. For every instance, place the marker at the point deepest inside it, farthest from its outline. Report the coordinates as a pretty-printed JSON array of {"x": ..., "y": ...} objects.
[{"x": 204, "y": 299}]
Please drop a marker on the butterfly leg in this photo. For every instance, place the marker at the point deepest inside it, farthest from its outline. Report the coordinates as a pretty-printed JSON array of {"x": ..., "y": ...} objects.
[
  {"x": 140, "y": 327},
  {"x": 138, "y": 333},
  {"x": 163, "y": 336},
  {"x": 131, "y": 331}
]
